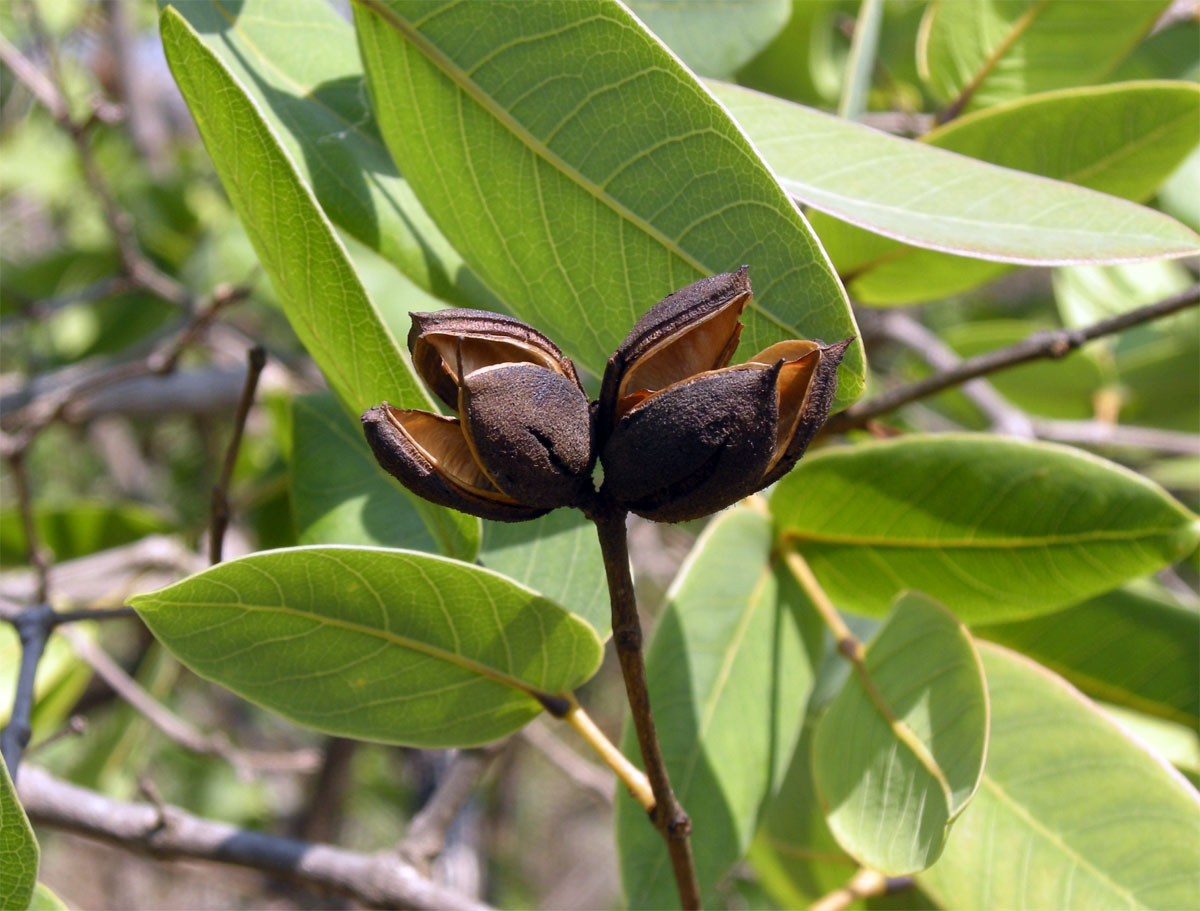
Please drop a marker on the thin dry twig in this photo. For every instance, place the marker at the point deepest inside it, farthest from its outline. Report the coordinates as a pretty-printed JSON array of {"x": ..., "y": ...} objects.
[
  {"x": 1055, "y": 343},
  {"x": 590, "y": 777},
  {"x": 426, "y": 836},
  {"x": 256, "y": 360},
  {"x": 380, "y": 879},
  {"x": 246, "y": 762}
]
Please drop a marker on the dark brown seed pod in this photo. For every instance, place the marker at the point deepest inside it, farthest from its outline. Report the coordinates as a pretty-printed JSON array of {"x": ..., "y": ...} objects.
[
  {"x": 428, "y": 454},
  {"x": 522, "y": 443},
  {"x": 440, "y": 339},
  {"x": 530, "y": 431},
  {"x": 682, "y": 434},
  {"x": 688, "y": 332}
]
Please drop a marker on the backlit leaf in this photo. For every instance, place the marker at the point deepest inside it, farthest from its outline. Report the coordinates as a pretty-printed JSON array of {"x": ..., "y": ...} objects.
[
  {"x": 714, "y": 39},
  {"x": 994, "y": 527},
  {"x": 1071, "y": 812},
  {"x": 995, "y": 50},
  {"x": 385, "y": 645},
  {"x": 897, "y": 759},
  {"x": 584, "y": 174},
  {"x": 312, "y": 275}
]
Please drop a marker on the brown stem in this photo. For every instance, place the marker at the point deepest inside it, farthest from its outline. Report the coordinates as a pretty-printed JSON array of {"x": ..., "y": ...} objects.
[
  {"x": 1053, "y": 344},
  {"x": 668, "y": 816},
  {"x": 257, "y": 359}
]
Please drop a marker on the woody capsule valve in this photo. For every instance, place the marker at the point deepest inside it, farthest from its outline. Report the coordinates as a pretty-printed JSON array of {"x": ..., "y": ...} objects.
[
  {"x": 521, "y": 443},
  {"x": 681, "y": 434}
]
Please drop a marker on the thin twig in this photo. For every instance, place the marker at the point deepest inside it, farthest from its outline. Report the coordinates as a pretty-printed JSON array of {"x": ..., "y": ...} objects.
[
  {"x": 175, "y": 728},
  {"x": 668, "y": 816},
  {"x": 380, "y": 879},
  {"x": 866, "y": 883},
  {"x": 1101, "y": 435},
  {"x": 256, "y": 360},
  {"x": 33, "y": 547},
  {"x": 587, "y": 775},
  {"x": 1055, "y": 343},
  {"x": 903, "y": 329},
  {"x": 426, "y": 836}
]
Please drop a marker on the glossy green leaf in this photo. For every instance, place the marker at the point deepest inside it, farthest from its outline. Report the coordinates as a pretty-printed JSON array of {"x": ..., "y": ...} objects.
[
  {"x": 996, "y": 50},
  {"x": 1071, "y": 812},
  {"x": 298, "y": 61},
  {"x": 897, "y": 759},
  {"x": 341, "y": 496},
  {"x": 77, "y": 529},
  {"x": 584, "y": 174},
  {"x": 1122, "y": 140},
  {"x": 714, "y": 39},
  {"x": 557, "y": 555},
  {"x": 729, "y": 669},
  {"x": 1179, "y": 196},
  {"x": 18, "y": 848},
  {"x": 1133, "y": 646},
  {"x": 385, "y": 645},
  {"x": 997, "y": 528},
  {"x": 312, "y": 275}
]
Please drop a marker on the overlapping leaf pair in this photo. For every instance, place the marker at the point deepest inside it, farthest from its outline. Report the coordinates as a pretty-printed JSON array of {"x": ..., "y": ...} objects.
[{"x": 679, "y": 432}]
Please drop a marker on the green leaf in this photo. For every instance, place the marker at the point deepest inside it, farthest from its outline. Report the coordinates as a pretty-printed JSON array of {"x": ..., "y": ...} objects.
[
  {"x": 795, "y": 854},
  {"x": 1119, "y": 140},
  {"x": 898, "y": 758},
  {"x": 383, "y": 645},
  {"x": 997, "y": 528},
  {"x": 584, "y": 174},
  {"x": 729, "y": 671},
  {"x": 1071, "y": 812},
  {"x": 557, "y": 555},
  {"x": 1178, "y": 744},
  {"x": 312, "y": 275},
  {"x": 18, "y": 848},
  {"x": 297, "y": 60},
  {"x": 341, "y": 496},
  {"x": 309, "y": 268},
  {"x": 807, "y": 59},
  {"x": 996, "y": 50},
  {"x": 1132, "y": 646},
  {"x": 77, "y": 529},
  {"x": 45, "y": 900},
  {"x": 714, "y": 39}
]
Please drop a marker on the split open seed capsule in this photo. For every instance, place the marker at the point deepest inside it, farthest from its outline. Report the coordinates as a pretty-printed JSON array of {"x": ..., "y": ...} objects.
[
  {"x": 521, "y": 443},
  {"x": 682, "y": 434}
]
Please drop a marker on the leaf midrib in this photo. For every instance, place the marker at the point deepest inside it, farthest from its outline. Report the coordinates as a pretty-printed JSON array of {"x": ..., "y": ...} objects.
[
  {"x": 451, "y": 70},
  {"x": 415, "y": 645}
]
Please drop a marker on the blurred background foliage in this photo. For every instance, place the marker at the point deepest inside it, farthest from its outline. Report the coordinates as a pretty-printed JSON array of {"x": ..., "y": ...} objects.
[{"x": 134, "y": 469}]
